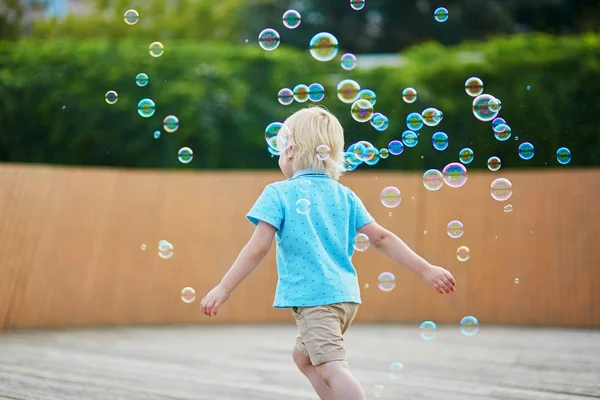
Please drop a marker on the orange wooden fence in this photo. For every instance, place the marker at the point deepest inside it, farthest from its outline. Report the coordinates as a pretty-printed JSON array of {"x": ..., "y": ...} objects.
[{"x": 70, "y": 248}]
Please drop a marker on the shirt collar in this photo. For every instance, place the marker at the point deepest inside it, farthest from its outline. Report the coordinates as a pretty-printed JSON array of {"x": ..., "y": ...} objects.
[{"x": 308, "y": 171}]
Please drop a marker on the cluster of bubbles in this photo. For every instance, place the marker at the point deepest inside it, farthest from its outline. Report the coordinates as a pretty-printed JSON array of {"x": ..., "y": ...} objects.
[
  {"x": 301, "y": 93},
  {"x": 469, "y": 326}
]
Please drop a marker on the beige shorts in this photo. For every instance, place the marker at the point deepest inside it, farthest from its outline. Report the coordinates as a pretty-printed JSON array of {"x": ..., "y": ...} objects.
[{"x": 321, "y": 331}]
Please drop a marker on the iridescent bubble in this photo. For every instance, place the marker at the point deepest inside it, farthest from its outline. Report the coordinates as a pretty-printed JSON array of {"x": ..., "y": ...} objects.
[
  {"x": 494, "y": 163},
  {"x": 469, "y": 326},
  {"x": 273, "y": 152},
  {"x": 563, "y": 155},
  {"x": 364, "y": 150},
  {"x": 396, "y": 370},
  {"x": 501, "y": 189},
  {"x": 440, "y": 141},
  {"x": 146, "y": 108},
  {"x": 455, "y": 175},
  {"x": 431, "y": 116},
  {"x": 395, "y": 147},
  {"x": 348, "y": 61},
  {"x": 369, "y": 95},
  {"x": 361, "y": 242},
  {"x": 185, "y": 155},
  {"x": 285, "y": 96},
  {"x": 141, "y": 79},
  {"x": 481, "y": 109},
  {"x": 466, "y": 155},
  {"x": 188, "y": 295},
  {"x": 301, "y": 93},
  {"x": 410, "y": 138},
  {"x": 156, "y": 49},
  {"x": 372, "y": 156},
  {"x": 278, "y": 136},
  {"x": 347, "y": 91},
  {"x": 165, "y": 249},
  {"x": 497, "y": 121},
  {"x": 455, "y": 229},
  {"x": 409, "y": 95},
  {"x": 171, "y": 123},
  {"x": 384, "y": 125},
  {"x": 111, "y": 97},
  {"x": 474, "y": 86},
  {"x": 268, "y": 39},
  {"x": 131, "y": 17},
  {"x": 386, "y": 282},
  {"x": 495, "y": 104},
  {"x": 440, "y": 14},
  {"x": 463, "y": 253},
  {"x": 384, "y": 153},
  {"x": 516, "y": 281},
  {"x": 357, "y": 4},
  {"x": 433, "y": 180},
  {"x": 390, "y": 197},
  {"x": 323, "y": 46},
  {"x": 428, "y": 330},
  {"x": 526, "y": 151},
  {"x": 508, "y": 208},
  {"x": 323, "y": 152},
  {"x": 303, "y": 206},
  {"x": 361, "y": 110},
  {"x": 291, "y": 19},
  {"x": 414, "y": 121},
  {"x": 528, "y": 87},
  {"x": 377, "y": 120},
  {"x": 502, "y": 132},
  {"x": 350, "y": 161},
  {"x": 316, "y": 92},
  {"x": 156, "y": 134}
]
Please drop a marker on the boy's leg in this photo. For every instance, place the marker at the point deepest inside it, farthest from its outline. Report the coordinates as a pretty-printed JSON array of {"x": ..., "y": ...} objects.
[
  {"x": 305, "y": 366},
  {"x": 337, "y": 376}
]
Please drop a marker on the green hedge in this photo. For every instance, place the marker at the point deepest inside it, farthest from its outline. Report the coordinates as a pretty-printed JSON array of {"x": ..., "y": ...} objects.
[{"x": 52, "y": 107}]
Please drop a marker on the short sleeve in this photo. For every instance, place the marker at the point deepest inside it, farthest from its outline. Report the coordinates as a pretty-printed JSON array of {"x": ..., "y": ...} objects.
[
  {"x": 267, "y": 208},
  {"x": 362, "y": 215}
]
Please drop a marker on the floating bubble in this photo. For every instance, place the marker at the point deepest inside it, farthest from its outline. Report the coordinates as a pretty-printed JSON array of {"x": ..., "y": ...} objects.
[
  {"x": 301, "y": 93},
  {"x": 516, "y": 281},
  {"x": 526, "y": 151},
  {"x": 431, "y": 116},
  {"x": 361, "y": 242},
  {"x": 368, "y": 95},
  {"x": 409, "y": 95},
  {"x": 474, "y": 86},
  {"x": 165, "y": 249},
  {"x": 433, "y": 180},
  {"x": 396, "y": 370},
  {"x": 350, "y": 161},
  {"x": 188, "y": 295},
  {"x": 272, "y": 151},
  {"x": 268, "y": 39},
  {"x": 466, "y": 155},
  {"x": 501, "y": 189},
  {"x": 481, "y": 109},
  {"x": 348, "y": 61},
  {"x": 156, "y": 134},
  {"x": 494, "y": 163},
  {"x": 390, "y": 197},
  {"x": 502, "y": 132},
  {"x": 285, "y": 96},
  {"x": 357, "y": 4},
  {"x": 143, "y": 247},
  {"x": 440, "y": 141},
  {"x": 495, "y": 104},
  {"x": 146, "y": 108},
  {"x": 377, "y": 120},
  {"x": 428, "y": 330},
  {"x": 372, "y": 156},
  {"x": 171, "y": 123},
  {"x": 131, "y": 17},
  {"x": 323, "y": 152},
  {"x": 323, "y": 46},
  {"x": 378, "y": 391},
  {"x": 364, "y": 150},
  {"x": 463, "y": 253},
  {"x": 497, "y": 121},
  {"x": 111, "y": 97},
  {"x": 156, "y": 49},
  {"x": 395, "y": 147},
  {"x": 563, "y": 155},
  {"x": 141, "y": 79},
  {"x": 291, "y": 19},
  {"x": 316, "y": 92},
  {"x": 508, "y": 208},
  {"x": 347, "y": 91},
  {"x": 278, "y": 136},
  {"x": 384, "y": 153},
  {"x": 410, "y": 139},
  {"x": 185, "y": 155},
  {"x": 303, "y": 206},
  {"x": 361, "y": 110},
  {"x": 386, "y": 282},
  {"x": 455, "y": 175},
  {"x": 414, "y": 121},
  {"x": 455, "y": 229},
  {"x": 383, "y": 120},
  {"x": 440, "y": 14},
  {"x": 469, "y": 326}
]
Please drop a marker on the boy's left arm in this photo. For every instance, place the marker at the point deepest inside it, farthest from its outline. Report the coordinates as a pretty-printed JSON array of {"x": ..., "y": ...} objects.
[{"x": 249, "y": 258}]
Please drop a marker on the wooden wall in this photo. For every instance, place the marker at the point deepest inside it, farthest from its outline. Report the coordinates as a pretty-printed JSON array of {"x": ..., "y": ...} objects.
[{"x": 70, "y": 247}]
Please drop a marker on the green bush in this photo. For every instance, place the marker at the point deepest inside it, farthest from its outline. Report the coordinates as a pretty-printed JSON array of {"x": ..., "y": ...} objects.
[{"x": 52, "y": 107}]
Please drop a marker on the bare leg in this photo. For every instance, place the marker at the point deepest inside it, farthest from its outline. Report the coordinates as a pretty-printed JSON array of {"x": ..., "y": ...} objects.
[
  {"x": 305, "y": 366},
  {"x": 343, "y": 384}
]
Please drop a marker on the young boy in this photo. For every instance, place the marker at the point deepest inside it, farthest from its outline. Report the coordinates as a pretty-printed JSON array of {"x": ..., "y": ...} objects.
[{"x": 316, "y": 220}]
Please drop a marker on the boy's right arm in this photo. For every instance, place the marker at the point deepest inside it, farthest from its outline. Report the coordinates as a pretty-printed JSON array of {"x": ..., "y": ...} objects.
[{"x": 394, "y": 248}]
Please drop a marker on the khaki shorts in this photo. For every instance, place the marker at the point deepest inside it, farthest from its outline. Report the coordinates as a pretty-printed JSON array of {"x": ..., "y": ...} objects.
[{"x": 321, "y": 331}]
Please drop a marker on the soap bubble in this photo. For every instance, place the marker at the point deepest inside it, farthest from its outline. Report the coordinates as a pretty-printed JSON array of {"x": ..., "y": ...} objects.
[
  {"x": 494, "y": 163},
  {"x": 301, "y": 93},
  {"x": 455, "y": 229},
  {"x": 323, "y": 152},
  {"x": 347, "y": 91},
  {"x": 291, "y": 19},
  {"x": 348, "y": 61},
  {"x": 386, "y": 282},
  {"x": 268, "y": 39},
  {"x": 111, "y": 97},
  {"x": 368, "y": 95},
  {"x": 362, "y": 110},
  {"x": 188, "y": 295},
  {"x": 285, "y": 96},
  {"x": 361, "y": 242},
  {"x": 474, "y": 86},
  {"x": 131, "y": 17},
  {"x": 165, "y": 249},
  {"x": 481, "y": 108},
  {"x": 395, "y": 147},
  {"x": 146, "y": 108},
  {"x": 156, "y": 49},
  {"x": 141, "y": 79},
  {"x": 455, "y": 175},
  {"x": 357, "y": 4},
  {"x": 463, "y": 254},
  {"x": 501, "y": 189},
  {"x": 440, "y": 14},
  {"x": 390, "y": 197},
  {"x": 185, "y": 155},
  {"x": 433, "y": 180},
  {"x": 466, "y": 155},
  {"x": 409, "y": 95},
  {"x": 323, "y": 46},
  {"x": 469, "y": 326},
  {"x": 440, "y": 141},
  {"x": 526, "y": 151},
  {"x": 303, "y": 206},
  {"x": 171, "y": 123},
  {"x": 428, "y": 330},
  {"x": 316, "y": 92},
  {"x": 563, "y": 155},
  {"x": 414, "y": 121}
]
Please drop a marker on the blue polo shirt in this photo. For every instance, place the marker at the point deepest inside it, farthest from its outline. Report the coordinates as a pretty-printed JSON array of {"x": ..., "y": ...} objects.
[{"x": 314, "y": 238}]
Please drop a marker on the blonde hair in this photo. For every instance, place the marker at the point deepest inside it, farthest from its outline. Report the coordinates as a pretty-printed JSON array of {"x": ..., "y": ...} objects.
[{"x": 310, "y": 128}]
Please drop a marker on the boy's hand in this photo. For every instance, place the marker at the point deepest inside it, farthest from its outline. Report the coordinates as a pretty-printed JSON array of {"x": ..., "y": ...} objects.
[
  {"x": 213, "y": 300},
  {"x": 440, "y": 279}
]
